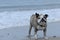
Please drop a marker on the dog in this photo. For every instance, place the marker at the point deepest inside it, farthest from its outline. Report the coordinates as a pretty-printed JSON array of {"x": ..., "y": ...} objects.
[{"x": 38, "y": 25}]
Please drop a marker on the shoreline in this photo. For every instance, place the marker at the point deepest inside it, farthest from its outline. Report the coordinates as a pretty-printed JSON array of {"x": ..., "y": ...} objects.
[{"x": 18, "y": 33}]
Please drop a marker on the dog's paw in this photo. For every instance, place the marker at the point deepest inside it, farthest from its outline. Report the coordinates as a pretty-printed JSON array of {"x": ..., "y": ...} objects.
[
  {"x": 46, "y": 38},
  {"x": 35, "y": 36},
  {"x": 28, "y": 36}
]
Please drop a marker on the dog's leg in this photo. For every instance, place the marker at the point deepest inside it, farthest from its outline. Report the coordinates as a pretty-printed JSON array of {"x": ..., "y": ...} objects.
[
  {"x": 35, "y": 34},
  {"x": 44, "y": 31},
  {"x": 30, "y": 30}
]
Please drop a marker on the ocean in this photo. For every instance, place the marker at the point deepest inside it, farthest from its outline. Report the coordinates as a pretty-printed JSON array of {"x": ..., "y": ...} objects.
[
  {"x": 17, "y": 12},
  {"x": 29, "y": 7},
  {"x": 12, "y": 16}
]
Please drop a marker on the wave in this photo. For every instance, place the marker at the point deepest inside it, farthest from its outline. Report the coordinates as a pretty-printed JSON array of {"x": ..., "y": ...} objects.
[
  {"x": 21, "y": 18},
  {"x": 29, "y": 7}
]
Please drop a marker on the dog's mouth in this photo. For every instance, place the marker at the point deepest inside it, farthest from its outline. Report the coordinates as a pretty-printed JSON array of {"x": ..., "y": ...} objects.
[{"x": 42, "y": 25}]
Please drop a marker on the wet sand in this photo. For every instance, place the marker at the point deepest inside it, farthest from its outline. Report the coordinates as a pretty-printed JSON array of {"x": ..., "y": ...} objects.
[
  {"x": 49, "y": 38},
  {"x": 20, "y": 33}
]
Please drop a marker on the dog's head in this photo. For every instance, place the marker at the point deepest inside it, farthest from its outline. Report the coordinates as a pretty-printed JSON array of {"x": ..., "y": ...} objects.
[{"x": 43, "y": 20}]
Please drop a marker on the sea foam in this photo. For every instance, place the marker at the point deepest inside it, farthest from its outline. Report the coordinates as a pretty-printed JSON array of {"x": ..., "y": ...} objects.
[{"x": 21, "y": 18}]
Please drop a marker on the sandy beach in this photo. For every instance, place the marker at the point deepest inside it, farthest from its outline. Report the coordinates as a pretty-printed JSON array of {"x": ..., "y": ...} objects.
[{"x": 20, "y": 33}]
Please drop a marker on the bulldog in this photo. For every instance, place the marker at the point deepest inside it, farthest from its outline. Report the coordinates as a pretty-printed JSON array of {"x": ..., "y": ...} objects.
[{"x": 41, "y": 25}]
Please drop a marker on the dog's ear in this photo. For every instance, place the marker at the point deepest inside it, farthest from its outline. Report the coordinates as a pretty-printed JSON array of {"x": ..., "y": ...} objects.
[
  {"x": 36, "y": 14},
  {"x": 46, "y": 15}
]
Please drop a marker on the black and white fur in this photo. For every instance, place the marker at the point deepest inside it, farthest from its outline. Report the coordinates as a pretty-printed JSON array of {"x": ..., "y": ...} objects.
[{"x": 34, "y": 23}]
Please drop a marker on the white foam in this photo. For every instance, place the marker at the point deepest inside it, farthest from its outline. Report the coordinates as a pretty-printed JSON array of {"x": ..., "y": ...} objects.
[{"x": 21, "y": 18}]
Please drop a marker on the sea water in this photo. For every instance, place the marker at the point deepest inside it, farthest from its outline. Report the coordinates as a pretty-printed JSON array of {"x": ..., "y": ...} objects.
[{"x": 21, "y": 18}]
